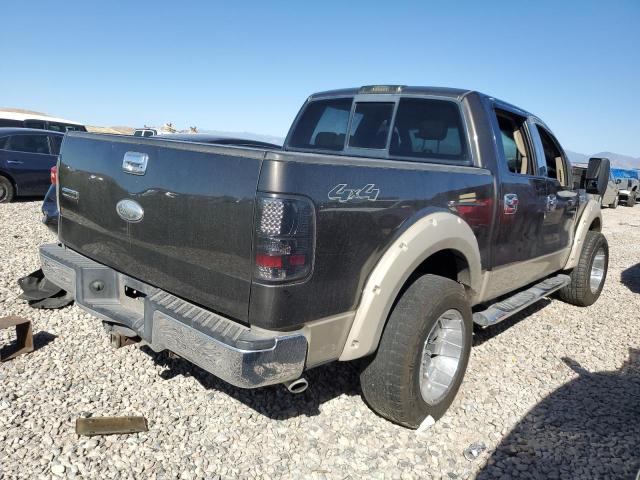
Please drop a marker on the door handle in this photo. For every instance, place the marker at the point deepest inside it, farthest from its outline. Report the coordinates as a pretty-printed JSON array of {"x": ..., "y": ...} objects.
[{"x": 15, "y": 162}]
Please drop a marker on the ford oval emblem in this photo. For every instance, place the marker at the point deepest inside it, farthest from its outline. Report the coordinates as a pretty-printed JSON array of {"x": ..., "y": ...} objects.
[{"x": 129, "y": 211}]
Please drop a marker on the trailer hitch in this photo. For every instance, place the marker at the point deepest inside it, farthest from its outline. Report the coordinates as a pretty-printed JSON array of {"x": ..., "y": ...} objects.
[{"x": 118, "y": 340}]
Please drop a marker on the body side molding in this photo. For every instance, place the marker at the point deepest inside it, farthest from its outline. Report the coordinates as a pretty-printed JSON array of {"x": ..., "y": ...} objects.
[{"x": 431, "y": 234}]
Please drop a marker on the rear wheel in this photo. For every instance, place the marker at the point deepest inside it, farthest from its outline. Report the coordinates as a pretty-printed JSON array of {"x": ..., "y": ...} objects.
[
  {"x": 7, "y": 192},
  {"x": 423, "y": 353},
  {"x": 587, "y": 279},
  {"x": 631, "y": 199}
]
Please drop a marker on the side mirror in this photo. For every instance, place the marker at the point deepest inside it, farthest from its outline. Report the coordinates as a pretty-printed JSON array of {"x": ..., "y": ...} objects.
[
  {"x": 597, "y": 177},
  {"x": 618, "y": 181}
]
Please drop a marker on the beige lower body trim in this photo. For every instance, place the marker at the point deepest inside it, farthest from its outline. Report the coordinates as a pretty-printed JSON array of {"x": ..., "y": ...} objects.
[
  {"x": 327, "y": 337},
  {"x": 506, "y": 279}
]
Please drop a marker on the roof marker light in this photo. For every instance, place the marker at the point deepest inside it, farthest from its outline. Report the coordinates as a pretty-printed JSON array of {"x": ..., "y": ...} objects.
[{"x": 390, "y": 89}]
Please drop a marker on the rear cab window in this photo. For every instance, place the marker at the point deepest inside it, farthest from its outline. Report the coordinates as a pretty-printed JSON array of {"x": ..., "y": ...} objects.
[
  {"x": 323, "y": 125},
  {"x": 393, "y": 127},
  {"x": 370, "y": 125},
  {"x": 426, "y": 128}
]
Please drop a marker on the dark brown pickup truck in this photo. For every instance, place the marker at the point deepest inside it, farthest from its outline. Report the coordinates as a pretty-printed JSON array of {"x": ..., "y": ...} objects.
[{"x": 392, "y": 220}]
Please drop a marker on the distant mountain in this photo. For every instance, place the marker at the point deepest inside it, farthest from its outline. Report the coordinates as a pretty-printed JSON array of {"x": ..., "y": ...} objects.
[
  {"x": 617, "y": 160},
  {"x": 113, "y": 130}
]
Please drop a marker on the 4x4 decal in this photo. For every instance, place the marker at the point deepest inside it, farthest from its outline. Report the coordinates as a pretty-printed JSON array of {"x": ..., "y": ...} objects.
[{"x": 343, "y": 194}]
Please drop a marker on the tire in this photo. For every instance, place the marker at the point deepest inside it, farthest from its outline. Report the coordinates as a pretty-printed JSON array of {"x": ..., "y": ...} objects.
[
  {"x": 579, "y": 291},
  {"x": 631, "y": 199},
  {"x": 615, "y": 202},
  {"x": 7, "y": 192},
  {"x": 390, "y": 381}
]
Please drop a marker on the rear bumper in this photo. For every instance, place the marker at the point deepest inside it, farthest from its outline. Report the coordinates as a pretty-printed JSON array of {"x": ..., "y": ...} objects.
[{"x": 233, "y": 352}]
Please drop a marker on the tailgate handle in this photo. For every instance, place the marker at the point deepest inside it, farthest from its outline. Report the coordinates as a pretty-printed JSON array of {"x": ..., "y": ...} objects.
[{"x": 135, "y": 163}]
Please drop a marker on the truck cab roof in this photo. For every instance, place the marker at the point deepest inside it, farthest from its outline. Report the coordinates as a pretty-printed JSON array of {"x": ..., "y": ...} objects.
[
  {"x": 392, "y": 90},
  {"x": 445, "y": 92}
]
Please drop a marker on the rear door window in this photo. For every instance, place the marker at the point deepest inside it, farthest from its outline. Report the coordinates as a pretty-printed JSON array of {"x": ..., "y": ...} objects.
[
  {"x": 323, "y": 125},
  {"x": 556, "y": 166},
  {"x": 29, "y": 144},
  {"x": 427, "y": 128},
  {"x": 370, "y": 125},
  {"x": 515, "y": 143}
]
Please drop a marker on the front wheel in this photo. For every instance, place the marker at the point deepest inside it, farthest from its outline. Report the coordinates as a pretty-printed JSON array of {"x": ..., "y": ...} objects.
[
  {"x": 588, "y": 278},
  {"x": 7, "y": 191},
  {"x": 615, "y": 202},
  {"x": 423, "y": 353}
]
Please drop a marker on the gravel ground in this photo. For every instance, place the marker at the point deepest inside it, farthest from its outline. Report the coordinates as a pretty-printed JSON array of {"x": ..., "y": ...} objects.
[{"x": 552, "y": 393}]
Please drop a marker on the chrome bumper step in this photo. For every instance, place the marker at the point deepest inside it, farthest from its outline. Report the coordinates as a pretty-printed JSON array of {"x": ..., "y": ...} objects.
[{"x": 228, "y": 349}]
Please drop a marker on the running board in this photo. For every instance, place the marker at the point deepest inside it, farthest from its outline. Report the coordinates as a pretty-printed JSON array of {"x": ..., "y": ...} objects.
[{"x": 504, "y": 309}]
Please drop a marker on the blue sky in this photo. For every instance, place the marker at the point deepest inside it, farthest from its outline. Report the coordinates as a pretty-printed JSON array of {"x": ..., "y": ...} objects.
[{"x": 248, "y": 66}]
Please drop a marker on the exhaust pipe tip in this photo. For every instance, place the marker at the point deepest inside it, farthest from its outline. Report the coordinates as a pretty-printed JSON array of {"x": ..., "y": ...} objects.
[{"x": 297, "y": 386}]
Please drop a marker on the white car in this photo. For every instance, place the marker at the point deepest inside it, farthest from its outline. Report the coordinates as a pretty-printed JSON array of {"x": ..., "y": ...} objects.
[
  {"x": 629, "y": 190},
  {"x": 43, "y": 122}
]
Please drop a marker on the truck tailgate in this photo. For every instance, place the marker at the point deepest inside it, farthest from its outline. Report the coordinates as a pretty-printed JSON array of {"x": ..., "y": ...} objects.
[{"x": 196, "y": 200}]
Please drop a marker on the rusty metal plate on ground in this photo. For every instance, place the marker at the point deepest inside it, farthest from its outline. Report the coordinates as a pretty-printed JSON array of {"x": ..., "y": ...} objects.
[
  {"x": 110, "y": 425},
  {"x": 24, "y": 337}
]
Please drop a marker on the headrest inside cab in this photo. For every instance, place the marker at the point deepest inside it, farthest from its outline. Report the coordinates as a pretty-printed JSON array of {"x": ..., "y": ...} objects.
[
  {"x": 432, "y": 130},
  {"x": 329, "y": 140}
]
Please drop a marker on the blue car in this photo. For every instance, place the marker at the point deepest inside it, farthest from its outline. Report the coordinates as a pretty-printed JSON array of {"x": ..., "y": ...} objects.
[{"x": 26, "y": 158}]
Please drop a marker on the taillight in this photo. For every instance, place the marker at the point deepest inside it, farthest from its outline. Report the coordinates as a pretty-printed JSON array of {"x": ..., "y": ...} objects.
[
  {"x": 54, "y": 175},
  {"x": 284, "y": 238}
]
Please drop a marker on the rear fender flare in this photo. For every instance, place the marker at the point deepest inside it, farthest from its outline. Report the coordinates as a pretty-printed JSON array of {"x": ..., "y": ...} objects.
[
  {"x": 590, "y": 214},
  {"x": 431, "y": 234}
]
